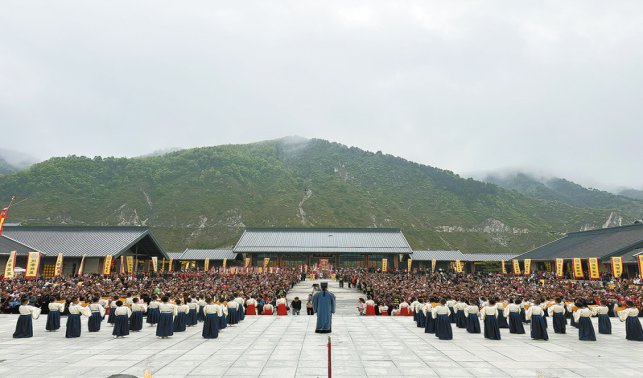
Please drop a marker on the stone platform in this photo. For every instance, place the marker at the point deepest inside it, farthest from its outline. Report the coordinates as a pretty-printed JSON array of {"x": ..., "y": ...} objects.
[{"x": 287, "y": 346}]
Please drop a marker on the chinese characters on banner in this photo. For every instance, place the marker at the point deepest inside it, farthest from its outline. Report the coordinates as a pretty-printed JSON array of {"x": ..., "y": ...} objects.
[
  {"x": 617, "y": 266},
  {"x": 504, "y": 269},
  {"x": 323, "y": 264},
  {"x": 458, "y": 266},
  {"x": 593, "y": 268},
  {"x": 578, "y": 269},
  {"x": 527, "y": 267},
  {"x": 155, "y": 261},
  {"x": 130, "y": 264},
  {"x": 108, "y": 265},
  {"x": 11, "y": 264},
  {"x": 265, "y": 263},
  {"x": 516, "y": 267},
  {"x": 33, "y": 261},
  {"x": 433, "y": 263},
  {"x": 640, "y": 259},
  {"x": 169, "y": 268},
  {"x": 248, "y": 261},
  {"x": 225, "y": 261},
  {"x": 559, "y": 267},
  {"x": 82, "y": 265},
  {"x": 162, "y": 265},
  {"x": 410, "y": 262},
  {"x": 58, "y": 268},
  {"x": 206, "y": 264},
  {"x": 384, "y": 265}
]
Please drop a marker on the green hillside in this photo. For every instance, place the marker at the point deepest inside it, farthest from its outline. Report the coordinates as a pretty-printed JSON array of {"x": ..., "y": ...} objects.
[{"x": 204, "y": 197}]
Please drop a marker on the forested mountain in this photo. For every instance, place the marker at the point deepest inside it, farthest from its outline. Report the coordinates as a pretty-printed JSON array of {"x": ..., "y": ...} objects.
[
  {"x": 557, "y": 189},
  {"x": 204, "y": 197},
  {"x": 632, "y": 193}
]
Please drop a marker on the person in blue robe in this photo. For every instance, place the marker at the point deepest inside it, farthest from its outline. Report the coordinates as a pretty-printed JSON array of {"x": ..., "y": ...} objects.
[
  {"x": 165, "y": 326},
  {"x": 429, "y": 324},
  {"x": 421, "y": 318},
  {"x": 324, "y": 307},
  {"x": 585, "y": 326},
  {"x": 443, "y": 329},
  {"x": 180, "y": 322},
  {"x": 121, "y": 320},
  {"x": 211, "y": 322},
  {"x": 73, "y": 319},
  {"x": 53, "y": 318},
  {"x": 473, "y": 323},
  {"x": 633, "y": 329},
  {"x": 24, "y": 326},
  {"x": 491, "y": 328},
  {"x": 136, "y": 318},
  {"x": 98, "y": 311},
  {"x": 538, "y": 326},
  {"x": 153, "y": 312}
]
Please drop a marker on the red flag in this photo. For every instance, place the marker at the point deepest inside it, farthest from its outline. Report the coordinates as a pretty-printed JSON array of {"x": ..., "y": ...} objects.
[{"x": 3, "y": 216}]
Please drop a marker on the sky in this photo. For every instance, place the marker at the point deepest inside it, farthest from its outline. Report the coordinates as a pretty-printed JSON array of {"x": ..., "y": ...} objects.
[{"x": 481, "y": 86}]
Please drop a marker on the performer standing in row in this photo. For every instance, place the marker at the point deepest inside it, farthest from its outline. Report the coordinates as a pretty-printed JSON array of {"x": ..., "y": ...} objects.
[
  {"x": 211, "y": 313},
  {"x": 324, "y": 307},
  {"x": 251, "y": 308},
  {"x": 153, "y": 311},
  {"x": 501, "y": 320},
  {"x": 557, "y": 313},
  {"x": 633, "y": 330},
  {"x": 24, "y": 327},
  {"x": 488, "y": 314},
  {"x": 512, "y": 312},
  {"x": 585, "y": 326},
  {"x": 538, "y": 326},
  {"x": 282, "y": 308},
  {"x": 604, "y": 322},
  {"x": 112, "y": 307},
  {"x": 165, "y": 327},
  {"x": 192, "y": 318},
  {"x": 96, "y": 318},
  {"x": 370, "y": 307},
  {"x": 429, "y": 322},
  {"x": 232, "y": 313},
  {"x": 121, "y": 320},
  {"x": 471, "y": 315},
  {"x": 201, "y": 303},
  {"x": 53, "y": 318},
  {"x": 73, "y": 319},
  {"x": 460, "y": 317},
  {"x": 441, "y": 315},
  {"x": 181, "y": 316},
  {"x": 136, "y": 316}
]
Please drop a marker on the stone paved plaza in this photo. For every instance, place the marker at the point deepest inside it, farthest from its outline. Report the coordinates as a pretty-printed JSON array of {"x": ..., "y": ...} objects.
[{"x": 287, "y": 346}]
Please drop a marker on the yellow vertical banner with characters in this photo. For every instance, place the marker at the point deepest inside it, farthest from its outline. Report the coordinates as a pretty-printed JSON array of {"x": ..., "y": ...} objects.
[
  {"x": 169, "y": 268},
  {"x": 560, "y": 263},
  {"x": 594, "y": 273},
  {"x": 433, "y": 264},
  {"x": 516, "y": 264},
  {"x": 504, "y": 268},
  {"x": 640, "y": 260},
  {"x": 410, "y": 262},
  {"x": 384, "y": 265},
  {"x": 33, "y": 262},
  {"x": 130, "y": 264},
  {"x": 248, "y": 260},
  {"x": 206, "y": 264},
  {"x": 107, "y": 269},
  {"x": 10, "y": 266},
  {"x": 578, "y": 269},
  {"x": 458, "y": 266},
  {"x": 527, "y": 267},
  {"x": 271, "y": 270},
  {"x": 162, "y": 265},
  {"x": 81, "y": 268},
  {"x": 265, "y": 263},
  {"x": 617, "y": 266},
  {"x": 58, "y": 268},
  {"x": 225, "y": 261},
  {"x": 155, "y": 262}
]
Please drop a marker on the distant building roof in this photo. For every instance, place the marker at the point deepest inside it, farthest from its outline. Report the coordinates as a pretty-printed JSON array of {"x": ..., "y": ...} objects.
[
  {"x": 426, "y": 255},
  {"x": 92, "y": 241},
  {"x": 481, "y": 257},
  {"x": 212, "y": 254},
  {"x": 603, "y": 243},
  {"x": 174, "y": 255},
  {"x": 7, "y": 245},
  {"x": 323, "y": 240}
]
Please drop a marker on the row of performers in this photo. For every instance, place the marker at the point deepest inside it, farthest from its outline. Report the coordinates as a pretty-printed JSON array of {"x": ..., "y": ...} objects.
[
  {"x": 168, "y": 316},
  {"x": 437, "y": 318}
]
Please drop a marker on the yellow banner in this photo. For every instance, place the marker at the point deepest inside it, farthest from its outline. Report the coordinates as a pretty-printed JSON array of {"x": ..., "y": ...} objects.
[
  {"x": 108, "y": 265},
  {"x": 458, "y": 266},
  {"x": 640, "y": 260},
  {"x": 232, "y": 270},
  {"x": 527, "y": 267},
  {"x": 560, "y": 263},
  {"x": 58, "y": 268},
  {"x": 248, "y": 260},
  {"x": 617, "y": 266},
  {"x": 504, "y": 269},
  {"x": 410, "y": 263},
  {"x": 122, "y": 264},
  {"x": 155, "y": 262},
  {"x": 384, "y": 265},
  {"x": 270, "y": 269},
  {"x": 130, "y": 264},
  {"x": 265, "y": 263},
  {"x": 11, "y": 264},
  {"x": 169, "y": 268},
  {"x": 33, "y": 261},
  {"x": 225, "y": 260},
  {"x": 578, "y": 269},
  {"x": 516, "y": 267},
  {"x": 81, "y": 268},
  {"x": 206, "y": 264},
  {"x": 594, "y": 273},
  {"x": 433, "y": 263},
  {"x": 260, "y": 269}
]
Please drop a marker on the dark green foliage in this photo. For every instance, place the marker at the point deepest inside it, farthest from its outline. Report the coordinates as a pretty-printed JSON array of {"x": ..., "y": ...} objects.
[{"x": 204, "y": 197}]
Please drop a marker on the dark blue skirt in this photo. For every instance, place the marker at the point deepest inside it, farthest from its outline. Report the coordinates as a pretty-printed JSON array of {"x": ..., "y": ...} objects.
[
  {"x": 502, "y": 321},
  {"x": 165, "y": 326},
  {"x": 538, "y": 328},
  {"x": 200, "y": 316},
  {"x": 473, "y": 324},
  {"x": 491, "y": 329},
  {"x": 223, "y": 322},
  {"x": 153, "y": 315},
  {"x": 460, "y": 319},
  {"x": 94, "y": 322},
  {"x": 421, "y": 319},
  {"x": 451, "y": 315},
  {"x": 242, "y": 313},
  {"x": 112, "y": 316},
  {"x": 572, "y": 322},
  {"x": 443, "y": 329},
  {"x": 515, "y": 323},
  {"x": 586, "y": 329},
  {"x": 523, "y": 316},
  {"x": 560, "y": 322},
  {"x": 633, "y": 330},
  {"x": 429, "y": 326},
  {"x": 136, "y": 321},
  {"x": 24, "y": 327},
  {"x": 121, "y": 326},
  {"x": 73, "y": 326},
  {"x": 232, "y": 316},
  {"x": 180, "y": 322},
  {"x": 416, "y": 317},
  {"x": 53, "y": 321},
  {"x": 211, "y": 326},
  {"x": 604, "y": 324},
  {"x": 192, "y": 317}
]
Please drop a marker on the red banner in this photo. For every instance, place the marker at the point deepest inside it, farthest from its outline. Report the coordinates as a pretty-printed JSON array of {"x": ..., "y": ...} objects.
[{"x": 3, "y": 216}]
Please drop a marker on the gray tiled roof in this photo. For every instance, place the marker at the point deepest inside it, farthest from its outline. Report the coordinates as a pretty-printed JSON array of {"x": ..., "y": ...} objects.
[
  {"x": 325, "y": 240},
  {"x": 601, "y": 243},
  {"x": 212, "y": 254},
  {"x": 424, "y": 255},
  {"x": 488, "y": 256},
  {"x": 7, "y": 245},
  {"x": 631, "y": 256},
  {"x": 92, "y": 241},
  {"x": 174, "y": 255}
]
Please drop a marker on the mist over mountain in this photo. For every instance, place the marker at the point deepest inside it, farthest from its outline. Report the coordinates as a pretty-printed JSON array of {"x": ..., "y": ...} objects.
[
  {"x": 632, "y": 193},
  {"x": 205, "y": 197},
  {"x": 13, "y": 161}
]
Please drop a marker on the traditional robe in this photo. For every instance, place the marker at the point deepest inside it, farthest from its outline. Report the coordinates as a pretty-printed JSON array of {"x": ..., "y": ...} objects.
[
  {"x": 24, "y": 326},
  {"x": 324, "y": 307},
  {"x": 633, "y": 330}
]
